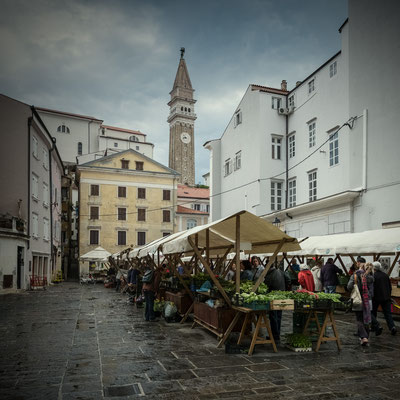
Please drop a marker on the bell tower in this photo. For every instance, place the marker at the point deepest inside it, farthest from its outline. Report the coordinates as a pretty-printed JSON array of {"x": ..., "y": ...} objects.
[{"x": 181, "y": 125}]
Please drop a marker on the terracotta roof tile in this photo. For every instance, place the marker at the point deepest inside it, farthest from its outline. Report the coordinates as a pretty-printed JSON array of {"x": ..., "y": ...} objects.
[
  {"x": 193, "y": 192},
  {"x": 185, "y": 210},
  {"x": 67, "y": 113},
  {"x": 115, "y": 128},
  {"x": 268, "y": 89}
]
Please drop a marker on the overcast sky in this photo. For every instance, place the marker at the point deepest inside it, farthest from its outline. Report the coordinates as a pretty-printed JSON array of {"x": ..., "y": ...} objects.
[{"x": 117, "y": 60}]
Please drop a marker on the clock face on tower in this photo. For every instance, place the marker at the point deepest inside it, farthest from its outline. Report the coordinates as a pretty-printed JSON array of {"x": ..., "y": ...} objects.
[{"x": 185, "y": 137}]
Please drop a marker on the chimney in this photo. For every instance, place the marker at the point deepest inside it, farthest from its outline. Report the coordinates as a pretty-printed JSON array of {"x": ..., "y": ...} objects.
[
  {"x": 284, "y": 85},
  {"x": 298, "y": 83}
]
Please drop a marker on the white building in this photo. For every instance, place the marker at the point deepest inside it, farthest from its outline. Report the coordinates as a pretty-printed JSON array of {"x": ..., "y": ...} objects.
[{"x": 280, "y": 156}]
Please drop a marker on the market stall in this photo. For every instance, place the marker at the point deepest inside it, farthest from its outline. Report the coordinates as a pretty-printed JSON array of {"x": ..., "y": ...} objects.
[{"x": 94, "y": 261}]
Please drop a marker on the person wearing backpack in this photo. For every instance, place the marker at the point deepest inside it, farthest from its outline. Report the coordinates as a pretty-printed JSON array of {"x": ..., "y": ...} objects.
[{"x": 151, "y": 282}]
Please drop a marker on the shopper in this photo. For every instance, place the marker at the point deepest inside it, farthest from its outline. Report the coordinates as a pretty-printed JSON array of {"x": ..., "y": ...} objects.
[
  {"x": 247, "y": 274},
  {"x": 306, "y": 278},
  {"x": 257, "y": 267},
  {"x": 276, "y": 279},
  {"x": 151, "y": 283},
  {"x": 364, "y": 279},
  {"x": 231, "y": 273},
  {"x": 329, "y": 276},
  {"x": 316, "y": 272},
  {"x": 382, "y": 297}
]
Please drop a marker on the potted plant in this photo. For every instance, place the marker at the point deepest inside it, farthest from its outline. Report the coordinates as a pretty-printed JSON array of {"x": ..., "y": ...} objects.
[{"x": 298, "y": 342}]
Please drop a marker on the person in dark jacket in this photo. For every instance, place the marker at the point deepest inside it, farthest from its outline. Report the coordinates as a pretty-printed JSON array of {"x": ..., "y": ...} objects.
[
  {"x": 329, "y": 273},
  {"x": 150, "y": 290},
  {"x": 276, "y": 279},
  {"x": 382, "y": 297},
  {"x": 365, "y": 281}
]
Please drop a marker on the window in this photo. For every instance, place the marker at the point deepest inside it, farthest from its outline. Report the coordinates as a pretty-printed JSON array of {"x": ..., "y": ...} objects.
[
  {"x": 139, "y": 165},
  {"x": 35, "y": 147},
  {"x": 166, "y": 195},
  {"x": 292, "y": 192},
  {"x": 94, "y": 190},
  {"x": 238, "y": 160},
  {"x": 94, "y": 212},
  {"x": 35, "y": 225},
  {"x": 165, "y": 234},
  {"x": 45, "y": 194},
  {"x": 292, "y": 146},
  {"x": 311, "y": 133},
  {"x": 276, "y": 195},
  {"x": 291, "y": 101},
  {"x": 137, "y": 148},
  {"x": 237, "y": 118},
  {"x": 35, "y": 186},
  {"x": 333, "y": 69},
  {"x": 276, "y": 103},
  {"x": 121, "y": 238},
  {"x": 45, "y": 158},
  {"x": 121, "y": 214},
  {"x": 334, "y": 149},
  {"x": 94, "y": 237},
  {"x": 166, "y": 215},
  {"x": 196, "y": 207},
  {"x": 312, "y": 185},
  {"x": 191, "y": 223},
  {"x": 311, "y": 86},
  {"x": 79, "y": 148},
  {"x": 124, "y": 163},
  {"x": 46, "y": 230},
  {"x": 228, "y": 167},
  {"x": 141, "y": 193},
  {"x": 141, "y": 214},
  {"x": 276, "y": 148},
  {"x": 62, "y": 128},
  {"x": 133, "y": 139},
  {"x": 141, "y": 238},
  {"x": 121, "y": 191}
]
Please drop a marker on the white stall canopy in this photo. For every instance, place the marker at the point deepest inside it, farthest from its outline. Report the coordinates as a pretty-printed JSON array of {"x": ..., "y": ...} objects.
[
  {"x": 98, "y": 254},
  {"x": 380, "y": 241}
]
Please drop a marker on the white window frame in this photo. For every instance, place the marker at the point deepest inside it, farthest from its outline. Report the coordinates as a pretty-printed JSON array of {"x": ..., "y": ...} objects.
[
  {"x": 333, "y": 148},
  {"x": 45, "y": 158},
  {"x": 237, "y": 118},
  {"x": 46, "y": 200},
  {"x": 276, "y": 103},
  {"x": 35, "y": 225},
  {"x": 35, "y": 147},
  {"x": 333, "y": 69},
  {"x": 312, "y": 185},
  {"x": 291, "y": 101},
  {"x": 35, "y": 186},
  {"x": 276, "y": 195},
  {"x": 191, "y": 223},
  {"x": 292, "y": 145},
  {"x": 80, "y": 148},
  {"x": 238, "y": 160},
  {"x": 311, "y": 86},
  {"x": 312, "y": 133},
  {"x": 292, "y": 192},
  {"x": 46, "y": 229},
  {"x": 126, "y": 238},
  {"x": 98, "y": 237},
  {"x": 276, "y": 144},
  {"x": 227, "y": 167}
]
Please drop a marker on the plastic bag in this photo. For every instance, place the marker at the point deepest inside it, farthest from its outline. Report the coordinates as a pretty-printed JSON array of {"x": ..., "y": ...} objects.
[{"x": 170, "y": 310}]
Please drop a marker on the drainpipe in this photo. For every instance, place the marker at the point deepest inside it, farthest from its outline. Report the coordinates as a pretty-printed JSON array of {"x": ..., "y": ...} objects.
[
  {"x": 365, "y": 149},
  {"x": 29, "y": 181},
  {"x": 51, "y": 201},
  {"x": 287, "y": 156},
  {"x": 89, "y": 135},
  {"x": 173, "y": 205}
]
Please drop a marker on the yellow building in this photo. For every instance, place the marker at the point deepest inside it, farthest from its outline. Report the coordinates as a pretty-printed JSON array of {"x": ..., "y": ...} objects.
[{"x": 125, "y": 199}]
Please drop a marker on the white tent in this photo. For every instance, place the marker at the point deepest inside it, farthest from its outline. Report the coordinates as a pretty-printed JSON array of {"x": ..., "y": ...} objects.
[
  {"x": 380, "y": 241},
  {"x": 98, "y": 254}
]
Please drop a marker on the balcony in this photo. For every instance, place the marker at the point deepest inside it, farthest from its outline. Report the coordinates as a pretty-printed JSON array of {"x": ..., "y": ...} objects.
[{"x": 12, "y": 225}]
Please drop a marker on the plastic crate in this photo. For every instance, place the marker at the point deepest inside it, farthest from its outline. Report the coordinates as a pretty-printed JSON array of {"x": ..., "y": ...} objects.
[
  {"x": 322, "y": 304},
  {"x": 301, "y": 305},
  {"x": 257, "y": 306}
]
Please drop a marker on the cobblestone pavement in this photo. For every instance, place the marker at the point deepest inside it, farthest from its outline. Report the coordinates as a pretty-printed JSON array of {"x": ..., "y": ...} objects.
[{"x": 88, "y": 342}]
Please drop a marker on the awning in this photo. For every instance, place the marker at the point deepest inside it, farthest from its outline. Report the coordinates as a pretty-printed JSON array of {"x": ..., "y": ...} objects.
[
  {"x": 379, "y": 241},
  {"x": 98, "y": 254},
  {"x": 256, "y": 236}
]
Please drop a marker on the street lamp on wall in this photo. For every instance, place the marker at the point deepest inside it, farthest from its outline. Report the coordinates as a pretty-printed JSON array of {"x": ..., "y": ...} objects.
[{"x": 277, "y": 222}]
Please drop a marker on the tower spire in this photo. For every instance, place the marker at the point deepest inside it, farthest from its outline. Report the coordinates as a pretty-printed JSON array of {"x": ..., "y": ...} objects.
[{"x": 182, "y": 52}]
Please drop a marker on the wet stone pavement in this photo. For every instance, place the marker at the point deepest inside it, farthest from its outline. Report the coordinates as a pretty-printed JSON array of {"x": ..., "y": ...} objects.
[{"x": 87, "y": 342}]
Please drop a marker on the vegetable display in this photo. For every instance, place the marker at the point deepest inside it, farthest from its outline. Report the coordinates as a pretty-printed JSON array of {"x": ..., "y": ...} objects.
[{"x": 298, "y": 340}]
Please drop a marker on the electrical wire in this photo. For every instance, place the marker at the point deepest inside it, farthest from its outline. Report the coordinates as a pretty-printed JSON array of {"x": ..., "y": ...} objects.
[{"x": 349, "y": 123}]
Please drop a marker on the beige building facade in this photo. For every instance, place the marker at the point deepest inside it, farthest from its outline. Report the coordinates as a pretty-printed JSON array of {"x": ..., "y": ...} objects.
[{"x": 126, "y": 200}]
